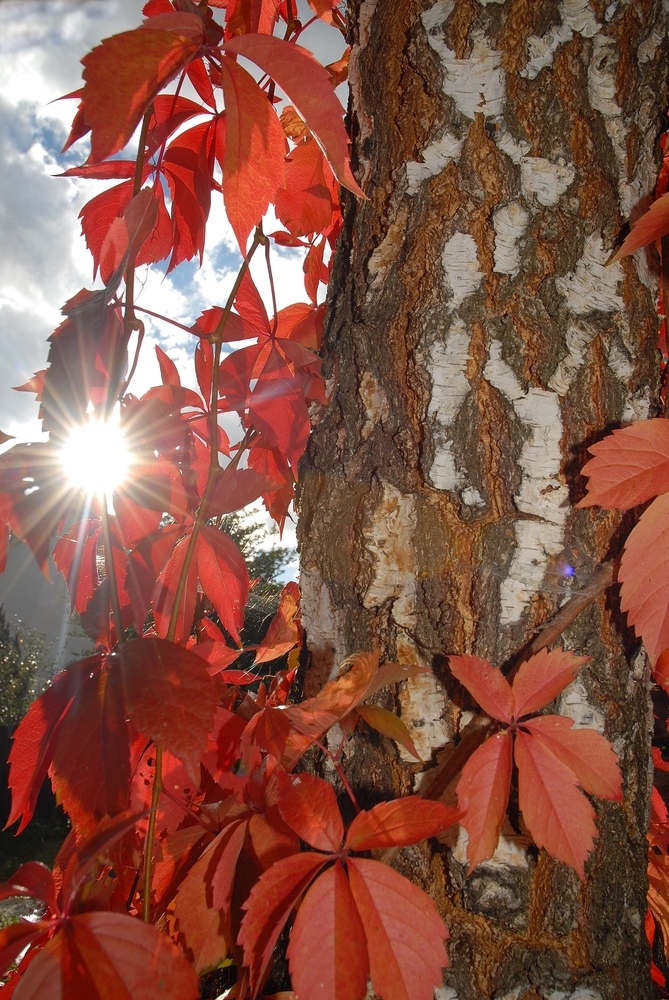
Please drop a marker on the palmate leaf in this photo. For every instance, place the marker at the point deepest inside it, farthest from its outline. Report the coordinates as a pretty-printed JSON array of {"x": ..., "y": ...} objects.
[
  {"x": 644, "y": 594},
  {"x": 629, "y": 467},
  {"x": 307, "y": 85},
  {"x": 483, "y": 793},
  {"x": 653, "y": 225},
  {"x": 542, "y": 678},
  {"x": 328, "y": 949},
  {"x": 100, "y": 956},
  {"x": 253, "y": 165},
  {"x": 405, "y": 934},
  {"x": 399, "y": 823},
  {"x": 309, "y": 807},
  {"x": 123, "y": 75},
  {"x": 488, "y": 685}
]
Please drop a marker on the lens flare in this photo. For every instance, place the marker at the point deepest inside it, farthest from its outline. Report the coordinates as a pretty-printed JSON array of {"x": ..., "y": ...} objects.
[{"x": 96, "y": 458}]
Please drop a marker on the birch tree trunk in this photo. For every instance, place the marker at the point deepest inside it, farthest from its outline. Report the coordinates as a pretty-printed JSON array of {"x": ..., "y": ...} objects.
[{"x": 476, "y": 345}]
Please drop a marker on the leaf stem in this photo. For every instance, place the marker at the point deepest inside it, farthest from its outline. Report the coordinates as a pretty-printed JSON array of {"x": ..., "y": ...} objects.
[
  {"x": 110, "y": 570},
  {"x": 150, "y": 834}
]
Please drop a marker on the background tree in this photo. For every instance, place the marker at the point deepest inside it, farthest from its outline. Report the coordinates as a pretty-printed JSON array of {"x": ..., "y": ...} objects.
[
  {"x": 478, "y": 344},
  {"x": 22, "y": 653}
]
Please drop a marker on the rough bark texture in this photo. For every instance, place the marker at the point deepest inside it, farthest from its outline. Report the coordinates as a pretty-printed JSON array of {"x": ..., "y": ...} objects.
[{"x": 476, "y": 345}]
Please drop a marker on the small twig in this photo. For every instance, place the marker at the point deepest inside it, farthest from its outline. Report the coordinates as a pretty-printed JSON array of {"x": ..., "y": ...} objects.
[
  {"x": 602, "y": 579},
  {"x": 150, "y": 834}
]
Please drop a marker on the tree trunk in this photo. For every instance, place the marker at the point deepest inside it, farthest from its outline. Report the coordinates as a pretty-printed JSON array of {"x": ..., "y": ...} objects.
[{"x": 476, "y": 345}]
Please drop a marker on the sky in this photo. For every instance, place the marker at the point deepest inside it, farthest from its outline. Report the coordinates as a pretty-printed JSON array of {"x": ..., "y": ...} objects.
[{"x": 43, "y": 258}]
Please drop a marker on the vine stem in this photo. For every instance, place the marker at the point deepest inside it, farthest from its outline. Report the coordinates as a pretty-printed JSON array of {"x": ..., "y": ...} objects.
[
  {"x": 214, "y": 468},
  {"x": 110, "y": 569},
  {"x": 150, "y": 834}
]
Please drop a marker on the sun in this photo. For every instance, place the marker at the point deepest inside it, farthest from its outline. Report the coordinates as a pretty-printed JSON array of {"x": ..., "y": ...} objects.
[{"x": 96, "y": 457}]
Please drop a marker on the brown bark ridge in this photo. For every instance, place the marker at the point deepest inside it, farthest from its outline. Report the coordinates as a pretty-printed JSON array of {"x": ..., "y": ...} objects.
[{"x": 475, "y": 345}]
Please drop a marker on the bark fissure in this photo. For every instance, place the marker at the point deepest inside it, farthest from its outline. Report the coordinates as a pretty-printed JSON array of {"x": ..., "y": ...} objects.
[{"x": 477, "y": 344}]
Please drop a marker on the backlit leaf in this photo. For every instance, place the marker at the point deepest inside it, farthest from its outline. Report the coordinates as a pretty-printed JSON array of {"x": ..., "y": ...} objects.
[
  {"x": 307, "y": 85},
  {"x": 224, "y": 577},
  {"x": 122, "y": 76},
  {"x": 283, "y": 632}
]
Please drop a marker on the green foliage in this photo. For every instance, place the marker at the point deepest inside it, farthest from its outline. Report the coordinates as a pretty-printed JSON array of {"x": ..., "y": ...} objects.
[
  {"x": 249, "y": 536},
  {"x": 21, "y": 652}
]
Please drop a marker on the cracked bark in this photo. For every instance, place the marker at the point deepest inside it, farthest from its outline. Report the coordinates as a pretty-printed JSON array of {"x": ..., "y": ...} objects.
[{"x": 476, "y": 345}]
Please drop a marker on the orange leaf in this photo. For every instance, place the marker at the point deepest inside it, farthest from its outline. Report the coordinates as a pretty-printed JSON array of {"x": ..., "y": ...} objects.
[
  {"x": 558, "y": 816},
  {"x": 486, "y": 684},
  {"x": 405, "y": 934},
  {"x": 399, "y": 823},
  {"x": 541, "y": 679},
  {"x": 389, "y": 725},
  {"x": 307, "y": 85},
  {"x": 644, "y": 594},
  {"x": 585, "y": 752},
  {"x": 283, "y": 632},
  {"x": 483, "y": 792},
  {"x": 255, "y": 146},
  {"x": 122, "y": 76},
  {"x": 653, "y": 225},
  {"x": 658, "y": 893},
  {"x": 327, "y": 951},
  {"x": 630, "y": 466}
]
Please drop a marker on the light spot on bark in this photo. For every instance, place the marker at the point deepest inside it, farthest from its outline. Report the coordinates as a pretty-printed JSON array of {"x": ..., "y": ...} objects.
[
  {"x": 511, "y": 849},
  {"x": 447, "y": 364},
  {"x": 322, "y": 623},
  {"x": 387, "y": 251},
  {"x": 389, "y": 539},
  {"x": 575, "y": 705},
  {"x": 582, "y": 993},
  {"x": 436, "y": 158},
  {"x": 578, "y": 338},
  {"x": 592, "y": 287},
  {"x": 375, "y": 402},
  {"x": 539, "y": 178},
  {"x": 510, "y": 222},
  {"x": 477, "y": 85},
  {"x": 461, "y": 267},
  {"x": 541, "y": 495}
]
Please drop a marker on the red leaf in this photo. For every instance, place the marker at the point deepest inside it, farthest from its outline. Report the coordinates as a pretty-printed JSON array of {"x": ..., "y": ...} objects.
[
  {"x": 128, "y": 233},
  {"x": 202, "y": 907},
  {"x": 90, "y": 771},
  {"x": 283, "y": 632},
  {"x": 488, "y": 686},
  {"x": 644, "y": 594},
  {"x": 309, "y": 807},
  {"x": 32, "y": 879},
  {"x": 541, "y": 679},
  {"x": 587, "y": 753},
  {"x": 304, "y": 203},
  {"x": 15, "y": 938},
  {"x": 35, "y": 739},
  {"x": 169, "y": 696},
  {"x": 165, "y": 593},
  {"x": 399, "y": 823},
  {"x": 327, "y": 950},
  {"x": 558, "y": 816},
  {"x": 268, "y": 907},
  {"x": 122, "y": 76},
  {"x": 234, "y": 489},
  {"x": 105, "y": 955},
  {"x": 650, "y": 227},
  {"x": 405, "y": 934},
  {"x": 254, "y": 150},
  {"x": 75, "y": 556},
  {"x": 483, "y": 792},
  {"x": 307, "y": 85},
  {"x": 224, "y": 577},
  {"x": 630, "y": 466}
]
